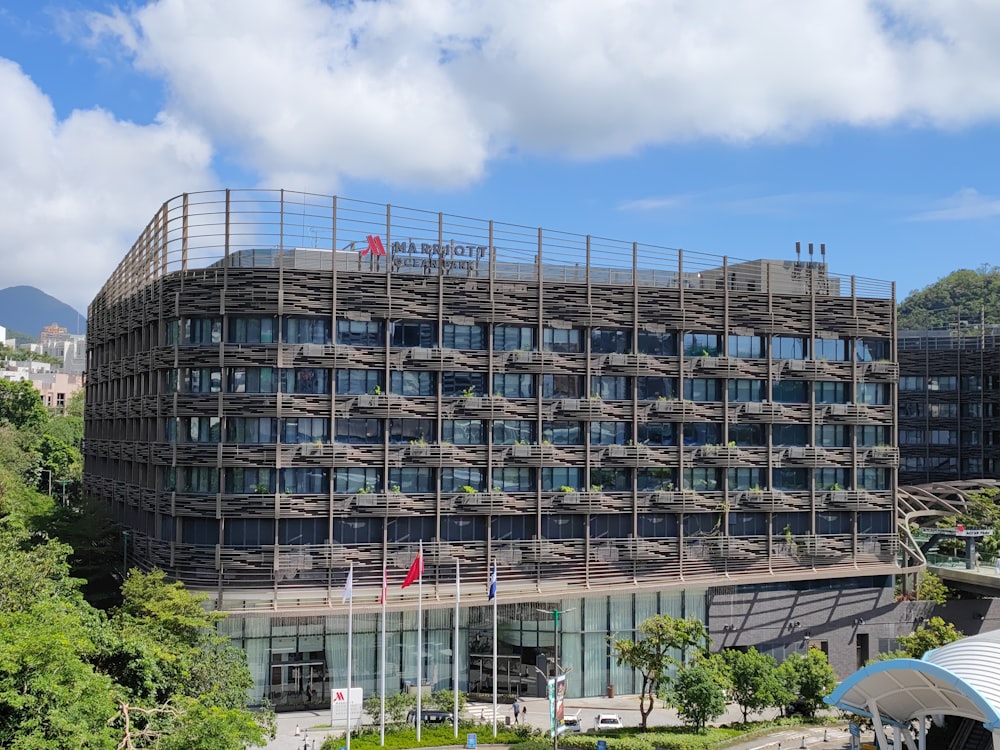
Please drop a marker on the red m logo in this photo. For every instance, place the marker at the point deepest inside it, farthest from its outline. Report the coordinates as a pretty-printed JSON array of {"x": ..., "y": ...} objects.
[
  {"x": 338, "y": 696},
  {"x": 375, "y": 246}
]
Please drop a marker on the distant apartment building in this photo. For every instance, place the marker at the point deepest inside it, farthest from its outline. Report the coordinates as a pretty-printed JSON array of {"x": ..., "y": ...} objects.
[{"x": 949, "y": 405}]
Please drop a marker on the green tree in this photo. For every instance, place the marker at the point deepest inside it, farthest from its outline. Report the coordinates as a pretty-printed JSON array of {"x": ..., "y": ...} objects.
[
  {"x": 931, "y": 588},
  {"x": 697, "y": 695},
  {"x": 21, "y": 406},
  {"x": 960, "y": 300},
  {"x": 444, "y": 700},
  {"x": 754, "y": 681},
  {"x": 653, "y": 653},
  {"x": 809, "y": 676},
  {"x": 931, "y": 634}
]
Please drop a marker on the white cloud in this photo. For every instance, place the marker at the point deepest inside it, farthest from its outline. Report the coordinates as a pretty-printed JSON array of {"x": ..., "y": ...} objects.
[
  {"x": 966, "y": 205},
  {"x": 426, "y": 92},
  {"x": 75, "y": 191}
]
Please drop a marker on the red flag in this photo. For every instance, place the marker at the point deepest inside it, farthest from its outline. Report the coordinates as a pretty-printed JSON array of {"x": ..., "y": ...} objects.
[{"x": 416, "y": 570}]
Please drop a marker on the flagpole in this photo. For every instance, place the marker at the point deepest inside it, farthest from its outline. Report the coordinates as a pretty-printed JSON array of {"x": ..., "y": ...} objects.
[
  {"x": 492, "y": 585},
  {"x": 381, "y": 731},
  {"x": 454, "y": 647},
  {"x": 420, "y": 634},
  {"x": 349, "y": 593}
]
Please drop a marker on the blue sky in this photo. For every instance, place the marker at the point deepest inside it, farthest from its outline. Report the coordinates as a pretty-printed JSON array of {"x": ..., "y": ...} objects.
[{"x": 733, "y": 127}]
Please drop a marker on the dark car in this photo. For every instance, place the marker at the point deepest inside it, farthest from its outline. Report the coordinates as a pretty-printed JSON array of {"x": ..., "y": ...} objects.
[
  {"x": 430, "y": 716},
  {"x": 799, "y": 707}
]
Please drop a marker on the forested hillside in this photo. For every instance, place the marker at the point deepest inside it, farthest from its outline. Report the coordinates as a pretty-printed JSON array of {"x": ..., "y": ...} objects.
[
  {"x": 147, "y": 668},
  {"x": 960, "y": 299}
]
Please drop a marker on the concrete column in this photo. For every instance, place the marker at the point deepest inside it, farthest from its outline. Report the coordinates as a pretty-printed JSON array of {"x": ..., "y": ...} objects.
[
  {"x": 996, "y": 738},
  {"x": 880, "y": 739},
  {"x": 922, "y": 737}
]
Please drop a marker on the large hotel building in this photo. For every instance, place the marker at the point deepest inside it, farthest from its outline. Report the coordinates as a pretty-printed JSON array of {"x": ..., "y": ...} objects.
[{"x": 283, "y": 384}]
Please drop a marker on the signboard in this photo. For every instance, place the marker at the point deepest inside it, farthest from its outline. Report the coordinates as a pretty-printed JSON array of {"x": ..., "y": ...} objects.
[
  {"x": 338, "y": 705},
  {"x": 602, "y": 745},
  {"x": 470, "y": 741},
  {"x": 854, "y": 728},
  {"x": 557, "y": 694}
]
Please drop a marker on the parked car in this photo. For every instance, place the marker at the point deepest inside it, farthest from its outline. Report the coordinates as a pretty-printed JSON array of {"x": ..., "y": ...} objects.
[
  {"x": 430, "y": 716},
  {"x": 799, "y": 707},
  {"x": 607, "y": 721},
  {"x": 572, "y": 723}
]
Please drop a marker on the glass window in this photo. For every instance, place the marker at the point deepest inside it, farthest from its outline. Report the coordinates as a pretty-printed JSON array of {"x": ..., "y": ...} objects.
[
  {"x": 357, "y": 382},
  {"x": 943, "y": 383},
  {"x": 566, "y": 340},
  {"x": 970, "y": 410},
  {"x": 304, "y": 531},
  {"x": 658, "y": 344},
  {"x": 199, "y": 479},
  {"x": 610, "y": 387},
  {"x": 702, "y": 344},
  {"x": 305, "y": 480},
  {"x": 556, "y": 478},
  {"x": 462, "y": 479},
  {"x": 872, "y": 350},
  {"x": 409, "y": 333},
  {"x": 748, "y": 434},
  {"x": 459, "y": 383},
  {"x": 249, "y": 480},
  {"x": 657, "y": 525},
  {"x": 790, "y": 434},
  {"x": 563, "y": 526},
  {"x": 912, "y": 437},
  {"x": 657, "y": 433},
  {"x": 747, "y": 524},
  {"x": 305, "y": 430},
  {"x": 610, "y": 340},
  {"x": 513, "y": 338},
  {"x": 942, "y": 410},
  {"x": 305, "y": 380},
  {"x": 514, "y": 479},
  {"x": 305, "y": 330},
  {"x": 702, "y": 478},
  {"x": 791, "y": 480},
  {"x": 874, "y": 479},
  {"x": 173, "y": 332},
  {"x": 610, "y": 480},
  {"x": 788, "y": 347},
  {"x": 834, "y": 350},
  {"x": 513, "y": 528},
  {"x": 251, "y": 380},
  {"x": 746, "y": 347},
  {"x": 911, "y": 383},
  {"x": 873, "y": 393},
  {"x": 610, "y": 526},
  {"x": 743, "y": 391},
  {"x": 562, "y": 386},
  {"x": 609, "y": 433},
  {"x": 201, "y": 380},
  {"x": 911, "y": 408},
  {"x": 252, "y": 330},
  {"x": 362, "y": 431},
  {"x": 200, "y": 429},
  {"x": 463, "y": 528},
  {"x": 790, "y": 392},
  {"x": 513, "y": 385},
  {"x": 702, "y": 389},
  {"x": 655, "y": 480},
  {"x": 251, "y": 430},
  {"x": 357, "y": 478},
  {"x": 943, "y": 437},
  {"x": 562, "y": 433},
  {"x": 513, "y": 431},
  {"x": 972, "y": 383},
  {"x": 411, "y": 480},
  {"x": 746, "y": 478},
  {"x": 828, "y": 478},
  {"x": 463, "y": 431},
  {"x": 652, "y": 388},
  {"x": 202, "y": 331},
  {"x": 833, "y": 436},
  {"x": 702, "y": 433},
  {"x": 413, "y": 383},
  {"x": 360, "y": 333},
  {"x": 199, "y": 531},
  {"x": 411, "y": 430},
  {"x": 828, "y": 392},
  {"x": 469, "y": 337}
]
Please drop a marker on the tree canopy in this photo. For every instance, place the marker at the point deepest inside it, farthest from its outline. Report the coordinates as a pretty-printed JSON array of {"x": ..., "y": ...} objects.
[{"x": 959, "y": 299}]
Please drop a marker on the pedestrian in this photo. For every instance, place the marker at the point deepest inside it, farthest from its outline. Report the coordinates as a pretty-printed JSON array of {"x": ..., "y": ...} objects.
[
  {"x": 524, "y": 714},
  {"x": 979, "y": 559},
  {"x": 517, "y": 710},
  {"x": 996, "y": 564}
]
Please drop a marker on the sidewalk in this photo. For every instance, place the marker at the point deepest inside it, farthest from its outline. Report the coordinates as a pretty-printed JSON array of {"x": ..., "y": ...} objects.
[{"x": 313, "y": 726}]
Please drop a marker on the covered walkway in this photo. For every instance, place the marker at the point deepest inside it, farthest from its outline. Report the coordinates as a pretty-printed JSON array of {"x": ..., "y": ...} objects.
[{"x": 960, "y": 679}]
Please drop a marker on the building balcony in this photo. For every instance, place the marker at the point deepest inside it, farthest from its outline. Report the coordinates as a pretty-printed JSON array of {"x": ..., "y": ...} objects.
[
  {"x": 721, "y": 455},
  {"x": 582, "y": 408},
  {"x": 885, "y": 372},
  {"x": 758, "y": 411},
  {"x": 675, "y": 408},
  {"x": 805, "y": 456},
  {"x": 717, "y": 366},
  {"x": 881, "y": 455}
]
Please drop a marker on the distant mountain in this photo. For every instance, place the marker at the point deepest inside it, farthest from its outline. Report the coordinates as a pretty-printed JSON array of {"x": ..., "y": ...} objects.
[
  {"x": 25, "y": 308},
  {"x": 961, "y": 299}
]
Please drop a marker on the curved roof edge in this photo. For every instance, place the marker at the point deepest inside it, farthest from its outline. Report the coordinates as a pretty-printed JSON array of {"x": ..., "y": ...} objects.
[{"x": 933, "y": 673}]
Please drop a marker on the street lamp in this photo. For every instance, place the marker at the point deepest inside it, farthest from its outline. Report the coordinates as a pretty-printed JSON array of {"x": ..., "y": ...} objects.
[
  {"x": 63, "y": 483},
  {"x": 49, "y": 472},
  {"x": 555, "y": 677}
]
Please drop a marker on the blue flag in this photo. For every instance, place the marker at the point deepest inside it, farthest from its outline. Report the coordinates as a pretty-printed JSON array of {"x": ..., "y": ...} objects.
[{"x": 493, "y": 581}]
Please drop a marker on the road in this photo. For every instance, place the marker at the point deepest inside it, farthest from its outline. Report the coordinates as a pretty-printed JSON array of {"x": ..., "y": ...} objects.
[{"x": 313, "y": 726}]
